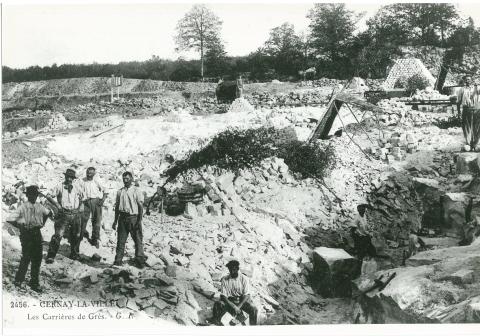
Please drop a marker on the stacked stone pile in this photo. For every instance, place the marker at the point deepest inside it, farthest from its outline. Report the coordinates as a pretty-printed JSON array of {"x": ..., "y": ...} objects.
[
  {"x": 58, "y": 122},
  {"x": 398, "y": 113},
  {"x": 428, "y": 94},
  {"x": 396, "y": 207},
  {"x": 291, "y": 99},
  {"x": 19, "y": 132},
  {"x": 394, "y": 146},
  {"x": 108, "y": 122},
  {"x": 322, "y": 82}
]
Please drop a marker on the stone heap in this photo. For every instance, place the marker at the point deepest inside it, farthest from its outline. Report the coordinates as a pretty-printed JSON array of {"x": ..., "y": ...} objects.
[
  {"x": 428, "y": 94},
  {"x": 58, "y": 122},
  {"x": 395, "y": 146},
  {"x": 321, "y": 82},
  {"x": 398, "y": 113},
  {"x": 406, "y": 68},
  {"x": 108, "y": 122},
  {"x": 396, "y": 208},
  {"x": 291, "y": 99},
  {"x": 19, "y": 132}
]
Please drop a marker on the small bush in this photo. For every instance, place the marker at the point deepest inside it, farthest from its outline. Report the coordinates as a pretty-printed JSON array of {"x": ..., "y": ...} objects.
[
  {"x": 236, "y": 149},
  {"x": 401, "y": 83},
  {"x": 307, "y": 159},
  {"x": 416, "y": 82}
]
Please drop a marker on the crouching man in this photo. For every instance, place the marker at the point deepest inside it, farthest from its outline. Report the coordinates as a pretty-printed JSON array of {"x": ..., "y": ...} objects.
[{"x": 234, "y": 296}]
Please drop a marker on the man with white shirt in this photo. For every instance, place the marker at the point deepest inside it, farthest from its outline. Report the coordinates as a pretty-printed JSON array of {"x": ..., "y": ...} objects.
[
  {"x": 95, "y": 195},
  {"x": 128, "y": 215},
  {"x": 234, "y": 296},
  {"x": 30, "y": 218},
  {"x": 67, "y": 197}
]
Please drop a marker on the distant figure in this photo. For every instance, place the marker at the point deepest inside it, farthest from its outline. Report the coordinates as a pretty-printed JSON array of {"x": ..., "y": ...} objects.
[
  {"x": 239, "y": 87},
  {"x": 415, "y": 243},
  {"x": 95, "y": 196},
  {"x": 361, "y": 237},
  {"x": 67, "y": 197},
  {"x": 468, "y": 107},
  {"x": 234, "y": 296},
  {"x": 128, "y": 215},
  {"x": 31, "y": 217}
]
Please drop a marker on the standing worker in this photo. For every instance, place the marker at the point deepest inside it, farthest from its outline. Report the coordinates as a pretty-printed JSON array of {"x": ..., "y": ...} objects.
[
  {"x": 69, "y": 197},
  {"x": 128, "y": 215},
  {"x": 469, "y": 109},
  {"x": 95, "y": 196},
  {"x": 31, "y": 217}
]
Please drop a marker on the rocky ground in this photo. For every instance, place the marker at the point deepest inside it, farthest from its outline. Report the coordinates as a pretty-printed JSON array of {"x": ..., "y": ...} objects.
[{"x": 408, "y": 169}]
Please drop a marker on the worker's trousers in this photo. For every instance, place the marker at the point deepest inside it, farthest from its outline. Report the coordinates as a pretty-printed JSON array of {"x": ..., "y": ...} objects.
[
  {"x": 220, "y": 308},
  {"x": 471, "y": 126},
  {"x": 128, "y": 224},
  {"x": 31, "y": 240},
  {"x": 68, "y": 224},
  {"x": 92, "y": 208}
]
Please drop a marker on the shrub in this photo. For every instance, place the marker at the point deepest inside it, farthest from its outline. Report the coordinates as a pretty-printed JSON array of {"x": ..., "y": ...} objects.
[
  {"x": 401, "y": 83},
  {"x": 307, "y": 159},
  {"x": 416, "y": 82},
  {"x": 236, "y": 149}
]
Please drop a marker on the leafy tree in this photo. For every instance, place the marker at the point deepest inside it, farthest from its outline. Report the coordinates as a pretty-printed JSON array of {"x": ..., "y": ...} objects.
[
  {"x": 332, "y": 26},
  {"x": 216, "y": 58},
  {"x": 198, "y": 29},
  {"x": 415, "y": 23},
  {"x": 285, "y": 48}
]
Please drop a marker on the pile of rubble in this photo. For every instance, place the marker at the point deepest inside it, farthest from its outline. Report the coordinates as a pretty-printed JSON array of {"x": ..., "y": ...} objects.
[
  {"x": 21, "y": 131},
  {"x": 398, "y": 113},
  {"x": 292, "y": 99},
  {"x": 322, "y": 82},
  {"x": 396, "y": 208},
  {"x": 428, "y": 94},
  {"x": 108, "y": 122},
  {"x": 58, "y": 122},
  {"x": 394, "y": 146}
]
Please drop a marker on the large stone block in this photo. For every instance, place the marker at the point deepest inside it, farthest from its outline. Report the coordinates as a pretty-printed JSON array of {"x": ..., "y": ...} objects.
[
  {"x": 468, "y": 163},
  {"x": 454, "y": 206},
  {"x": 333, "y": 269}
]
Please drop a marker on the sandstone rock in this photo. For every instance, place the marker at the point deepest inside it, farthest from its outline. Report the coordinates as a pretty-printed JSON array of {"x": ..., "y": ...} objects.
[
  {"x": 454, "y": 206},
  {"x": 461, "y": 277},
  {"x": 333, "y": 269},
  {"x": 468, "y": 163},
  {"x": 190, "y": 211},
  {"x": 171, "y": 271}
]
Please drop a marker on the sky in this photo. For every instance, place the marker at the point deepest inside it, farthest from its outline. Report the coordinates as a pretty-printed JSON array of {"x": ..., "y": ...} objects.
[{"x": 106, "y": 32}]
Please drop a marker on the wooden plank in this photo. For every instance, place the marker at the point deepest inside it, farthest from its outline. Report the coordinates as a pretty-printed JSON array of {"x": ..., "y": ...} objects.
[{"x": 325, "y": 124}]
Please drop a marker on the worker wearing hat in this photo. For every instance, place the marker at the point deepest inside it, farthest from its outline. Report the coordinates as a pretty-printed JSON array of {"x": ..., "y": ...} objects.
[
  {"x": 68, "y": 197},
  {"x": 30, "y": 218},
  {"x": 234, "y": 295}
]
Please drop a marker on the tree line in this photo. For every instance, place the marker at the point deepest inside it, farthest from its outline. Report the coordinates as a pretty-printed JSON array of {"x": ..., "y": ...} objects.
[{"x": 332, "y": 46}]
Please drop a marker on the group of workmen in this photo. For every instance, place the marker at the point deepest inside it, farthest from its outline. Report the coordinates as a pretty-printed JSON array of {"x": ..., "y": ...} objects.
[{"x": 74, "y": 202}]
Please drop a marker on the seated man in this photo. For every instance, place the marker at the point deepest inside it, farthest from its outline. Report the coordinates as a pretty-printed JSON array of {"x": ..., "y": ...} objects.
[{"x": 234, "y": 296}]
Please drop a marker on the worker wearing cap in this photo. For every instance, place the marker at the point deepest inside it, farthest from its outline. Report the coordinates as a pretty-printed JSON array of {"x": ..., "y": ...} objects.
[
  {"x": 95, "y": 196},
  {"x": 30, "y": 218},
  {"x": 234, "y": 295},
  {"x": 128, "y": 215},
  {"x": 67, "y": 197}
]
